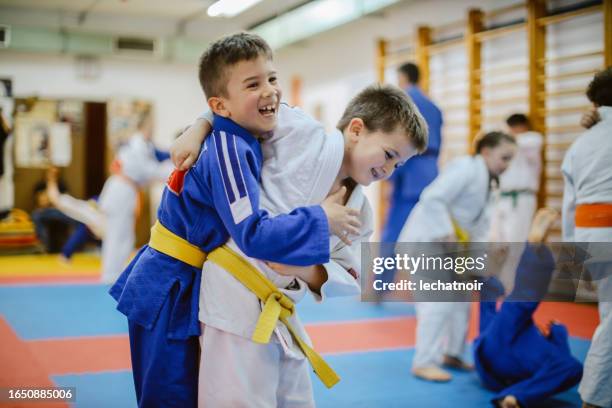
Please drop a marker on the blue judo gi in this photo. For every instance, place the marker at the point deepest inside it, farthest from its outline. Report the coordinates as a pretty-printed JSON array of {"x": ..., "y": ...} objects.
[
  {"x": 410, "y": 179},
  {"x": 511, "y": 355},
  {"x": 216, "y": 198}
]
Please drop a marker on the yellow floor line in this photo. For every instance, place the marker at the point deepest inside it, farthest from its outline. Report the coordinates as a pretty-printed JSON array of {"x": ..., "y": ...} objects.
[{"x": 15, "y": 266}]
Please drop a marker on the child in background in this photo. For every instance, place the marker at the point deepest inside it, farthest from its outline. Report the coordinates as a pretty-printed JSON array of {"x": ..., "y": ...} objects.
[
  {"x": 520, "y": 183},
  {"x": 587, "y": 217},
  {"x": 113, "y": 218},
  {"x": 456, "y": 206},
  {"x": 521, "y": 363}
]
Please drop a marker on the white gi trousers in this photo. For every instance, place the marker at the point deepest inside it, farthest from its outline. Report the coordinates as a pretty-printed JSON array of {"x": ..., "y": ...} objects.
[
  {"x": 596, "y": 385},
  {"x": 515, "y": 216},
  {"x": 441, "y": 330},
  {"x": 236, "y": 372}
]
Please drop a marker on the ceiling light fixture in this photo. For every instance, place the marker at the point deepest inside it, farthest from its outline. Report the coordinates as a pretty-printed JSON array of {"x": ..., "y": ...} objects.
[{"x": 230, "y": 8}]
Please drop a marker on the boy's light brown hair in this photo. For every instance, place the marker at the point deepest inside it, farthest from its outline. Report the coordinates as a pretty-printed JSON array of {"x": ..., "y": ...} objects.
[
  {"x": 220, "y": 56},
  {"x": 387, "y": 108}
]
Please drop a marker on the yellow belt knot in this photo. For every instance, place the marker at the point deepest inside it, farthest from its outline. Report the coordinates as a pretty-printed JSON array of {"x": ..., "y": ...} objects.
[{"x": 277, "y": 306}]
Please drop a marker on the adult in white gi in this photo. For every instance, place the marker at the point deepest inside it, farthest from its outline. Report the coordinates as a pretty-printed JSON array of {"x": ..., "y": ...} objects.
[
  {"x": 114, "y": 217},
  {"x": 520, "y": 183},
  {"x": 587, "y": 217},
  {"x": 459, "y": 197},
  {"x": 300, "y": 166},
  {"x": 7, "y": 185}
]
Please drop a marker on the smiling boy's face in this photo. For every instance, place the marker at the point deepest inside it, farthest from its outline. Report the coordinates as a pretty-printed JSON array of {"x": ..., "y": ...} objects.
[
  {"x": 253, "y": 96},
  {"x": 374, "y": 155}
]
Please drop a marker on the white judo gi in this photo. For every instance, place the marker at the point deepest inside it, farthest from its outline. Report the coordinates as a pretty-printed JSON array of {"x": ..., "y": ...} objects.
[
  {"x": 588, "y": 180},
  {"x": 461, "y": 193},
  {"x": 300, "y": 165},
  {"x": 519, "y": 186},
  {"x": 114, "y": 216},
  {"x": 7, "y": 185}
]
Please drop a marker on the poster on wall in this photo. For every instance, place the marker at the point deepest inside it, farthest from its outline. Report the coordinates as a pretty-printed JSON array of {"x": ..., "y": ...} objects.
[
  {"x": 60, "y": 152},
  {"x": 40, "y": 140}
]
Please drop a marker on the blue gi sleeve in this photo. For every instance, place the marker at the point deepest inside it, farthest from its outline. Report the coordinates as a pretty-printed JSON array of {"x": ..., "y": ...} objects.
[
  {"x": 161, "y": 155},
  {"x": 298, "y": 238}
]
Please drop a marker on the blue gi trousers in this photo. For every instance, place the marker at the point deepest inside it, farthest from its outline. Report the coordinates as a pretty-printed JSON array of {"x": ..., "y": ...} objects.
[{"x": 165, "y": 370}]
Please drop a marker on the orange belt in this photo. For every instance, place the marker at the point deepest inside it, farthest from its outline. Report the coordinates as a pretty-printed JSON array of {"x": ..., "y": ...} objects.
[{"x": 594, "y": 215}]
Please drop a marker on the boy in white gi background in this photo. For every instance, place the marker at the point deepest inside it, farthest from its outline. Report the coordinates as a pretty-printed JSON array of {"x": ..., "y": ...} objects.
[
  {"x": 587, "y": 217},
  {"x": 379, "y": 130},
  {"x": 458, "y": 203},
  {"x": 113, "y": 219},
  {"x": 520, "y": 183}
]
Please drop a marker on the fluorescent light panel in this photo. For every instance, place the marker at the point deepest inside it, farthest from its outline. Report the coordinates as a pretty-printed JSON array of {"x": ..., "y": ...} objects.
[
  {"x": 230, "y": 8},
  {"x": 315, "y": 17}
]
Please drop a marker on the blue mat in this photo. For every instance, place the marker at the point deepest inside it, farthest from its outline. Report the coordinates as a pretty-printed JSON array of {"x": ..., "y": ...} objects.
[
  {"x": 369, "y": 380},
  {"x": 39, "y": 312}
]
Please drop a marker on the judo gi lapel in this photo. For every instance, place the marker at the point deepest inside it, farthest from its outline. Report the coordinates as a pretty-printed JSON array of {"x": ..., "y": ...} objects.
[{"x": 333, "y": 153}]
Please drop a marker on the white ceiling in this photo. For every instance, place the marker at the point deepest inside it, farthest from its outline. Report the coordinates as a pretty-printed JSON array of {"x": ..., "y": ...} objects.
[{"x": 154, "y": 16}]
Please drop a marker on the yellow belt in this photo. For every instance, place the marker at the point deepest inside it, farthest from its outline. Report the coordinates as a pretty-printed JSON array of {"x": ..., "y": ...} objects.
[
  {"x": 277, "y": 306},
  {"x": 462, "y": 235}
]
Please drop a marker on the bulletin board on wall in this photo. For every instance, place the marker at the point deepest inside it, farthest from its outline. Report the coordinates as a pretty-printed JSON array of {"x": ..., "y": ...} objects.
[{"x": 47, "y": 132}]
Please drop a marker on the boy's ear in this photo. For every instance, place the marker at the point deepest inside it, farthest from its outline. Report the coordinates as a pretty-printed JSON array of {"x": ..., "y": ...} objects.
[
  {"x": 217, "y": 105},
  {"x": 355, "y": 128}
]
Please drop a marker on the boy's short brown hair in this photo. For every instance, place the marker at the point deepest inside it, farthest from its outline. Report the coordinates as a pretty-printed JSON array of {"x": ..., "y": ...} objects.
[
  {"x": 599, "y": 90},
  {"x": 387, "y": 108},
  {"x": 225, "y": 52}
]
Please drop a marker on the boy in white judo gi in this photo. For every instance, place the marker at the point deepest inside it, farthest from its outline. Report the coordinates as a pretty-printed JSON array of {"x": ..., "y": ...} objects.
[
  {"x": 520, "y": 183},
  {"x": 587, "y": 217},
  {"x": 378, "y": 131},
  {"x": 455, "y": 207},
  {"x": 113, "y": 218}
]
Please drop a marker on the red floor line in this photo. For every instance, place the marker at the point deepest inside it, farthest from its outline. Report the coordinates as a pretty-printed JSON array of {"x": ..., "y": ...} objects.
[
  {"x": 20, "y": 366},
  {"x": 89, "y": 354}
]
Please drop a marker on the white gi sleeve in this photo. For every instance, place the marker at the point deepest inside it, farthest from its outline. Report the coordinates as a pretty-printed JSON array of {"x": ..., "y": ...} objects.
[{"x": 207, "y": 115}]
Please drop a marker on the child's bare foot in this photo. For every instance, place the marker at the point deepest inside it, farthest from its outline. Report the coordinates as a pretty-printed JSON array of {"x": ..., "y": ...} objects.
[
  {"x": 456, "y": 363},
  {"x": 52, "y": 190},
  {"x": 542, "y": 222},
  {"x": 509, "y": 402},
  {"x": 431, "y": 373}
]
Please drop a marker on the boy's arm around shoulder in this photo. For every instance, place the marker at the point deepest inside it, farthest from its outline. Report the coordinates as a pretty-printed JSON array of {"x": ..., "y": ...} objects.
[{"x": 298, "y": 238}]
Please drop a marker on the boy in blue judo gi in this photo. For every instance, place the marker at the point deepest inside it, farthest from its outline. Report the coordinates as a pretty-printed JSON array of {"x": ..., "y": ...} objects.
[
  {"x": 512, "y": 356},
  {"x": 200, "y": 209}
]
